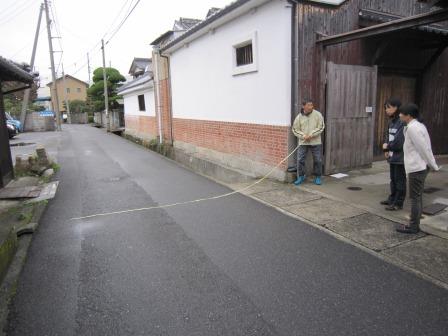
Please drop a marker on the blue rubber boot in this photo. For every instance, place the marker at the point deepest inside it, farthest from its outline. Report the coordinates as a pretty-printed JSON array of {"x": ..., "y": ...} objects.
[
  {"x": 318, "y": 180},
  {"x": 299, "y": 180}
]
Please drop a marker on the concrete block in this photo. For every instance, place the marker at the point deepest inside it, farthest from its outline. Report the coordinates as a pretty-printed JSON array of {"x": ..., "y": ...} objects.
[
  {"x": 324, "y": 210},
  {"x": 48, "y": 173},
  {"x": 428, "y": 255},
  {"x": 42, "y": 157},
  {"x": 371, "y": 231},
  {"x": 436, "y": 225}
]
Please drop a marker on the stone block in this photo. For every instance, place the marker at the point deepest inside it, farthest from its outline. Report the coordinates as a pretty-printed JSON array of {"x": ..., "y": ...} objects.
[
  {"x": 371, "y": 231},
  {"x": 428, "y": 255},
  {"x": 322, "y": 211}
]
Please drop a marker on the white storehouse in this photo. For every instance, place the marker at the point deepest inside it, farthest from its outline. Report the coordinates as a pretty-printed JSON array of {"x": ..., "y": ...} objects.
[
  {"x": 138, "y": 99},
  {"x": 231, "y": 85}
]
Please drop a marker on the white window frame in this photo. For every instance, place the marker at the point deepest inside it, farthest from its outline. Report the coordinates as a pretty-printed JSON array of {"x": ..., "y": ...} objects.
[{"x": 241, "y": 42}]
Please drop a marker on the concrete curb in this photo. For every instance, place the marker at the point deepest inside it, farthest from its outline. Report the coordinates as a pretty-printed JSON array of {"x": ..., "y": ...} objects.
[
  {"x": 379, "y": 255},
  {"x": 198, "y": 165},
  {"x": 188, "y": 162}
]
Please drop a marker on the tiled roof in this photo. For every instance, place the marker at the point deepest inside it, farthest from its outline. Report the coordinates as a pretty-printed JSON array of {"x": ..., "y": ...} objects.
[
  {"x": 185, "y": 23},
  {"x": 10, "y": 71},
  {"x": 138, "y": 83}
]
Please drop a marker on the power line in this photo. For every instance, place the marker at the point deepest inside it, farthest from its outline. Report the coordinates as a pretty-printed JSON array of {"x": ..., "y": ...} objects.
[
  {"x": 118, "y": 15},
  {"x": 11, "y": 9},
  {"x": 122, "y": 22},
  {"x": 18, "y": 11}
]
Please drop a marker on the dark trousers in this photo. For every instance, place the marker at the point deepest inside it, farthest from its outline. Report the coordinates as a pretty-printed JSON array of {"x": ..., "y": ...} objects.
[
  {"x": 316, "y": 151},
  {"x": 416, "y": 186},
  {"x": 397, "y": 184}
]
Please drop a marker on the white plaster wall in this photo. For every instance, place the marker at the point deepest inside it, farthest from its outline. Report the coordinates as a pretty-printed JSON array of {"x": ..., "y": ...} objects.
[
  {"x": 203, "y": 85},
  {"x": 131, "y": 103}
]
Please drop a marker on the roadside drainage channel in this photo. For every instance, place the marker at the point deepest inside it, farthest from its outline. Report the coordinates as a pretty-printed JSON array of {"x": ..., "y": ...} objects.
[{"x": 21, "y": 144}]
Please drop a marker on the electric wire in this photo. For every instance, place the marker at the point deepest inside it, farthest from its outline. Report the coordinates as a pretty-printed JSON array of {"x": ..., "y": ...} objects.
[
  {"x": 122, "y": 22},
  {"x": 16, "y": 14},
  {"x": 10, "y": 11}
]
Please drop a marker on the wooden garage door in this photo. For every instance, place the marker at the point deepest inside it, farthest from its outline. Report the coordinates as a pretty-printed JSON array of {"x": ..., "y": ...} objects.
[{"x": 351, "y": 99}]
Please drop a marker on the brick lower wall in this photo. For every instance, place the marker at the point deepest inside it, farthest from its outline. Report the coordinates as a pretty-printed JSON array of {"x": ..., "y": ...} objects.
[
  {"x": 144, "y": 127},
  {"x": 165, "y": 109},
  {"x": 261, "y": 143}
]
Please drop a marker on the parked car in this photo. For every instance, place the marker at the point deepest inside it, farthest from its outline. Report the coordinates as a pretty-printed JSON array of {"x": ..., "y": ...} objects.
[
  {"x": 12, "y": 130},
  {"x": 16, "y": 122}
]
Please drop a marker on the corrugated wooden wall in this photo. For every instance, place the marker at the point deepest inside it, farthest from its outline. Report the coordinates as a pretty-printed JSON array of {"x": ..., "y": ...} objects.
[
  {"x": 434, "y": 103},
  {"x": 328, "y": 20}
]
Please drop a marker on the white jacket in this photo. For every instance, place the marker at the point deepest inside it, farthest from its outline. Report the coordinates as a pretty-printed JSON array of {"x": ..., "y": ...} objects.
[{"x": 417, "y": 148}]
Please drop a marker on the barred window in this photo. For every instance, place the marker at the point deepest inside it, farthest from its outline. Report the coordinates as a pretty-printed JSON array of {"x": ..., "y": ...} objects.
[{"x": 244, "y": 55}]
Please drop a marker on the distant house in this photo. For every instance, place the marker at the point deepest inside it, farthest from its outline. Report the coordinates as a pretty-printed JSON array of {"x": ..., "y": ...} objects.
[
  {"x": 17, "y": 79},
  {"x": 71, "y": 89},
  {"x": 139, "y": 101},
  {"x": 143, "y": 101},
  {"x": 236, "y": 80},
  {"x": 139, "y": 66}
]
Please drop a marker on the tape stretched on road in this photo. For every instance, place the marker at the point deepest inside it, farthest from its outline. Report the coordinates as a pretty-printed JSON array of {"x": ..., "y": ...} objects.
[{"x": 163, "y": 206}]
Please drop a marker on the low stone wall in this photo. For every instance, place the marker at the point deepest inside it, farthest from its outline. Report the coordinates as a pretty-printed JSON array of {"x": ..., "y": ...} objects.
[
  {"x": 116, "y": 119},
  {"x": 79, "y": 118},
  {"x": 37, "y": 122}
]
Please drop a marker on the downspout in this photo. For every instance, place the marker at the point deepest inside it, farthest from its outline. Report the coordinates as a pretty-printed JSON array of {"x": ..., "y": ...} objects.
[
  {"x": 294, "y": 76},
  {"x": 157, "y": 88},
  {"x": 171, "y": 97}
]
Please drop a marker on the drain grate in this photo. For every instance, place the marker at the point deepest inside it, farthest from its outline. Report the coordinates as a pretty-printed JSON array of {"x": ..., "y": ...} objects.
[
  {"x": 354, "y": 188},
  {"x": 20, "y": 144},
  {"x": 434, "y": 209},
  {"x": 431, "y": 190}
]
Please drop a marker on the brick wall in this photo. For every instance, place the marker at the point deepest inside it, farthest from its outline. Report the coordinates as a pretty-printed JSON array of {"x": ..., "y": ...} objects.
[
  {"x": 165, "y": 109},
  {"x": 261, "y": 143},
  {"x": 144, "y": 127}
]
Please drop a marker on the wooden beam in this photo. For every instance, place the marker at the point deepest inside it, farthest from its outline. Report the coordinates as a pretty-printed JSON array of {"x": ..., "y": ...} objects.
[
  {"x": 434, "y": 57},
  {"x": 387, "y": 27}
]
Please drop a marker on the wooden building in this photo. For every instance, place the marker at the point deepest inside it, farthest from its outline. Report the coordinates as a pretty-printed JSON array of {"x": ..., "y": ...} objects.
[
  {"x": 353, "y": 55},
  {"x": 349, "y": 56},
  {"x": 12, "y": 79}
]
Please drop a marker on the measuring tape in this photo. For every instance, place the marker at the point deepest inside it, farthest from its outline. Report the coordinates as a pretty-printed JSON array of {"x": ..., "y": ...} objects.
[{"x": 164, "y": 206}]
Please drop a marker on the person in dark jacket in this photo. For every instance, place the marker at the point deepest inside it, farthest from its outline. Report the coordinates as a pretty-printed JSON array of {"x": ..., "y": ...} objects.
[{"x": 393, "y": 151}]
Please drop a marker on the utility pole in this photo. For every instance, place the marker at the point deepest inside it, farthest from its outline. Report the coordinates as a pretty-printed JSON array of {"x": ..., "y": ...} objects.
[
  {"x": 53, "y": 73},
  {"x": 88, "y": 66},
  {"x": 26, "y": 96},
  {"x": 106, "y": 97},
  {"x": 67, "y": 102}
]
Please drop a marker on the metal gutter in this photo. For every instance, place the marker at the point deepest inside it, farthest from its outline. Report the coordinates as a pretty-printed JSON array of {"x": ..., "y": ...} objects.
[{"x": 294, "y": 75}]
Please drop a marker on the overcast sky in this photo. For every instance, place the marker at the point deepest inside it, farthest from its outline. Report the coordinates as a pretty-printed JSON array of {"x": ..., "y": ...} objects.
[{"x": 82, "y": 24}]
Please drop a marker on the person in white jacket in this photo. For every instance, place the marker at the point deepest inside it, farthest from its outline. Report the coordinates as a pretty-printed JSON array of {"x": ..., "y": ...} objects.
[{"x": 418, "y": 159}]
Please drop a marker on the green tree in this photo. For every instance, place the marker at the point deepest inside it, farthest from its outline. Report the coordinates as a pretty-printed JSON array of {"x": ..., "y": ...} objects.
[
  {"x": 78, "y": 106},
  {"x": 96, "y": 90}
]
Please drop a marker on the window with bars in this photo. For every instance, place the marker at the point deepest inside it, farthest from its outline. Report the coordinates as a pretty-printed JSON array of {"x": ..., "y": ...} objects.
[
  {"x": 244, "y": 55},
  {"x": 141, "y": 103}
]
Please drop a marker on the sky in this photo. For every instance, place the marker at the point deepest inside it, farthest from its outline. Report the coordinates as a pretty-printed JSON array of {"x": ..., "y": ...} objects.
[{"x": 81, "y": 25}]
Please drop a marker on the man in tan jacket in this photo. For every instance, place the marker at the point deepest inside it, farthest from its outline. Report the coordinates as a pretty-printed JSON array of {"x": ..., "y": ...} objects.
[{"x": 308, "y": 127}]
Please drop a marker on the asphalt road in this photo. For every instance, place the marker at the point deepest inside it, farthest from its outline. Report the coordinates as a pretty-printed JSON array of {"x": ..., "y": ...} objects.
[{"x": 226, "y": 267}]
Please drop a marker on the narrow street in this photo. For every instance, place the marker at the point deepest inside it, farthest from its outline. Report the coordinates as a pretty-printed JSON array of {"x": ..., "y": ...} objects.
[{"x": 231, "y": 266}]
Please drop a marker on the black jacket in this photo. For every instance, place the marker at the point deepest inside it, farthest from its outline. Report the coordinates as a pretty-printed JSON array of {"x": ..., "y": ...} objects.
[{"x": 395, "y": 140}]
